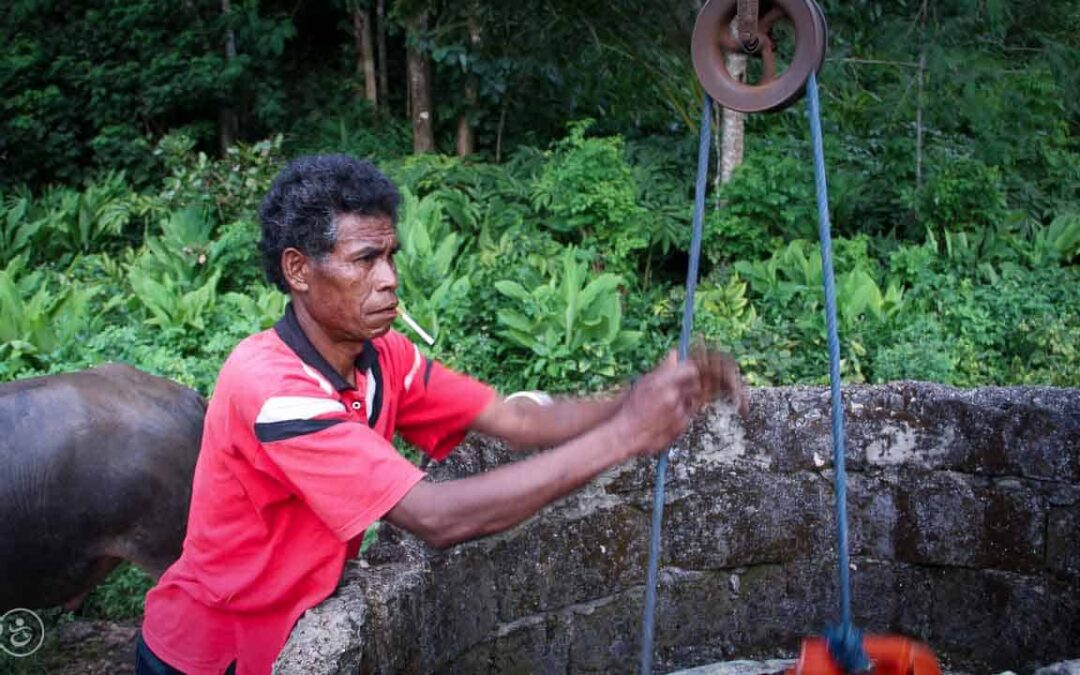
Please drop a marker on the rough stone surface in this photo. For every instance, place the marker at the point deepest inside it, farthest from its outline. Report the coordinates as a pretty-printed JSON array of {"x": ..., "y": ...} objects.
[
  {"x": 964, "y": 510},
  {"x": 742, "y": 667},
  {"x": 1063, "y": 668}
]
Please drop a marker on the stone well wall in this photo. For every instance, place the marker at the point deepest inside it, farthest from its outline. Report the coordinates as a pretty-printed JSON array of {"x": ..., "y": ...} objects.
[{"x": 965, "y": 533}]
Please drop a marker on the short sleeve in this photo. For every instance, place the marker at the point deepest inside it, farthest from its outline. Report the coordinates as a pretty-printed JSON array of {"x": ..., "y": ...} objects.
[
  {"x": 438, "y": 406},
  {"x": 347, "y": 474}
]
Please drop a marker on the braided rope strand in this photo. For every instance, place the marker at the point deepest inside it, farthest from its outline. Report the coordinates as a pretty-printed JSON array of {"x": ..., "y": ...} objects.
[
  {"x": 684, "y": 351},
  {"x": 845, "y": 642}
]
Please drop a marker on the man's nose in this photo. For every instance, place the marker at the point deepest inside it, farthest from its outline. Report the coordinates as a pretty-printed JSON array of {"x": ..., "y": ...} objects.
[{"x": 385, "y": 276}]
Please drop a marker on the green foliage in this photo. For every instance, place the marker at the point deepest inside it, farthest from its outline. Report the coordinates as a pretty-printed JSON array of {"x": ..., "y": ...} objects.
[
  {"x": 663, "y": 192},
  {"x": 358, "y": 130},
  {"x": 724, "y": 309},
  {"x": 790, "y": 286},
  {"x": 960, "y": 193},
  {"x": 256, "y": 310},
  {"x": 94, "y": 85},
  {"x": 175, "y": 276},
  {"x": 919, "y": 350},
  {"x": 793, "y": 275},
  {"x": 171, "y": 306},
  {"x": 770, "y": 199},
  {"x": 231, "y": 186},
  {"x": 589, "y": 191},
  {"x": 40, "y": 316},
  {"x": 17, "y": 228},
  {"x": 571, "y": 322},
  {"x": 80, "y": 222},
  {"x": 1061, "y": 240},
  {"x": 121, "y": 598},
  {"x": 431, "y": 290},
  {"x": 64, "y": 222}
]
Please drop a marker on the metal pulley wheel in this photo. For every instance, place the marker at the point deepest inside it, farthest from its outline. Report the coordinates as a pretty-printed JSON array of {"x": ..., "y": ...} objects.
[{"x": 776, "y": 87}]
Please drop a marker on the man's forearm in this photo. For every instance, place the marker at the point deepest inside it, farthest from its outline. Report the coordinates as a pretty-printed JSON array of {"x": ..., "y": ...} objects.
[
  {"x": 524, "y": 424},
  {"x": 564, "y": 419},
  {"x": 446, "y": 513}
]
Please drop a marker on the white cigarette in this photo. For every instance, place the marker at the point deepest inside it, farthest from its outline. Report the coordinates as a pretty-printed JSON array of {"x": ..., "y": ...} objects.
[{"x": 416, "y": 327}]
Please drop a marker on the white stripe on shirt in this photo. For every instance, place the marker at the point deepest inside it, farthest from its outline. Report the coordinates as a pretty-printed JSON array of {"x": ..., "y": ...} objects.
[{"x": 282, "y": 408}]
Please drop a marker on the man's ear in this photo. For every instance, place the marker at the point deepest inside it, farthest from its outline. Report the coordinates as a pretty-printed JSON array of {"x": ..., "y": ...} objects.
[{"x": 296, "y": 267}]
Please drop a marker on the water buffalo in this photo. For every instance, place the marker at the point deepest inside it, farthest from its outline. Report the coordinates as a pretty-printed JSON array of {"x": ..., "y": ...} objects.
[{"x": 95, "y": 468}]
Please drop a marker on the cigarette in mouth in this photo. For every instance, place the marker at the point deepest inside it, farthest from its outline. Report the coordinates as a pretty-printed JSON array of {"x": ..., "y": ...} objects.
[{"x": 416, "y": 327}]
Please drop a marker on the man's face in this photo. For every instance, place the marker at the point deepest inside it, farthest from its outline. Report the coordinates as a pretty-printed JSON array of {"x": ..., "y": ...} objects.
[{"x": 352, "y": 292}]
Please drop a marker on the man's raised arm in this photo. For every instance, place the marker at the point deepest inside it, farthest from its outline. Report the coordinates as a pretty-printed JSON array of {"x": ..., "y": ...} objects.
[
  {"x": 526, "y": 423},
  {"x": 646, "y": 421}
]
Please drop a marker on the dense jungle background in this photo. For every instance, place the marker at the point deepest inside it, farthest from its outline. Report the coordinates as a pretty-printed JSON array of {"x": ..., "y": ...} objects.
[{"x": 546, "y": 152}]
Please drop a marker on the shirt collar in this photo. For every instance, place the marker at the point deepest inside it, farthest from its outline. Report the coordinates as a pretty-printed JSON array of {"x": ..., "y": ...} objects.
[{"x": 289, "y": 330}]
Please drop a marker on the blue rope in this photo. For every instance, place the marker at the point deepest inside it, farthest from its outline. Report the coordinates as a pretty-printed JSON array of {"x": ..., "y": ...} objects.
[
  {"x": 684, "y": 351},
  {"x": 845, "y": 642}
]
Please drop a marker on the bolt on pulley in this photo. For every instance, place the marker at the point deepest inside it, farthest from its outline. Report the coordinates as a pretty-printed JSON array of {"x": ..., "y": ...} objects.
[{"x": 789, "y": 37}]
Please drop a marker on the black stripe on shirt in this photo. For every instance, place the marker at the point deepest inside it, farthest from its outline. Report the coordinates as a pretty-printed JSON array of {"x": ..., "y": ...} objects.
[
  {"x": 268, "y": 432},
  {"x": 427, "y": 372},
  {"x": 371, "y": 359}
]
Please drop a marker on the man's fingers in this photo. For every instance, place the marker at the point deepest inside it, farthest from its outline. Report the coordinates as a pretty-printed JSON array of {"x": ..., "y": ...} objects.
[
  {"x": 670, "y": 361},
  {"x": 719, "y": 374}
]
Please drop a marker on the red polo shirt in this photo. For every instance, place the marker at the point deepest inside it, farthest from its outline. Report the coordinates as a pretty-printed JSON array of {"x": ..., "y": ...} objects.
[{"x": 295, "y": 464}]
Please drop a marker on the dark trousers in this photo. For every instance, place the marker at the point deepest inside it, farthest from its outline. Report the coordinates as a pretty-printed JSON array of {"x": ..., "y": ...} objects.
[{"x": 148, "y": 663}]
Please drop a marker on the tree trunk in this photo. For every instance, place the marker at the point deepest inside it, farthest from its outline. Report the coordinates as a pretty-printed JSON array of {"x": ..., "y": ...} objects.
[
  {"x": 734, "y": 123},
  {"x": 228, "y": 120},
  {"x": 717, "y": 139},
  {"x": 466, "y": 143},
  {"x": 499, "y": 130},
  {"x": 365, "y": 52},
  {"x": 419, "y": 69},
  {"x": 919, "y": 100},
  {"x": 380, "y": 37}
]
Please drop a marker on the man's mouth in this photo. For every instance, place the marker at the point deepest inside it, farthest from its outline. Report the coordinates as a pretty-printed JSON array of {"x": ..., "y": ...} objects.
[{"x": 389, "y": 309}]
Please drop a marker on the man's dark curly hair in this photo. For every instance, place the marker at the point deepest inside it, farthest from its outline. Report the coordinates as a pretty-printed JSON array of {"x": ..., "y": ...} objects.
[{"x": 307, "y": 197}]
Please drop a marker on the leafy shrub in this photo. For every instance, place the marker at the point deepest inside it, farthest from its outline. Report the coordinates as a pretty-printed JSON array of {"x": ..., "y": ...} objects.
[
  {"x": 473, "y": 196},
  {"x": 121, "y": 597},
  {"x": 1060, "y": 240},
  {"x": 571, "y": 324},
  {"x": 256, "y": 310},
  {"x": 431, "y": 289},
  {"x": 176, "y": 275},
  {"x": 722, "y": 310},
  {"x": 919, "y": 350},
  {"x": 769, "y": 199},
  {"x": 64, "y": 222},
  {"x": 231, "y": 187},
  {"x": 40, "y": 314},
  {"x": 356, "y": 130},
  {"x": 788, "y": 292},
  {"x": 18, "y": 227},
  {"x": 81, "y": 221},
  {"x": 960, "y": 193},
  {"x": 588, "y": 191}
]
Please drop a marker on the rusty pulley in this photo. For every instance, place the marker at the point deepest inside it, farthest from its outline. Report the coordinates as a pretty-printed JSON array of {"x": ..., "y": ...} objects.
[{"x": 785, "y": 65}]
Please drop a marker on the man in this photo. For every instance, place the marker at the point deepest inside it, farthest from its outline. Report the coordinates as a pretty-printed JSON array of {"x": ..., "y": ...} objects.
[{"x": 296, "y": 460}]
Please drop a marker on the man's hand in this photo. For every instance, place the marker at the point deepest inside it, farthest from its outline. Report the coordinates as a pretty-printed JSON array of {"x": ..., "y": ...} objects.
[
  {"x": 662, "y": 403},
  {"x": 719, "y": 377},
  {"x": 642, "y": 421}
]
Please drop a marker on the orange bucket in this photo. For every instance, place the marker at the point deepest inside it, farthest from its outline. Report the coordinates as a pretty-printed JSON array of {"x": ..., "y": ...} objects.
[{"x": 888, "y": 654}]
